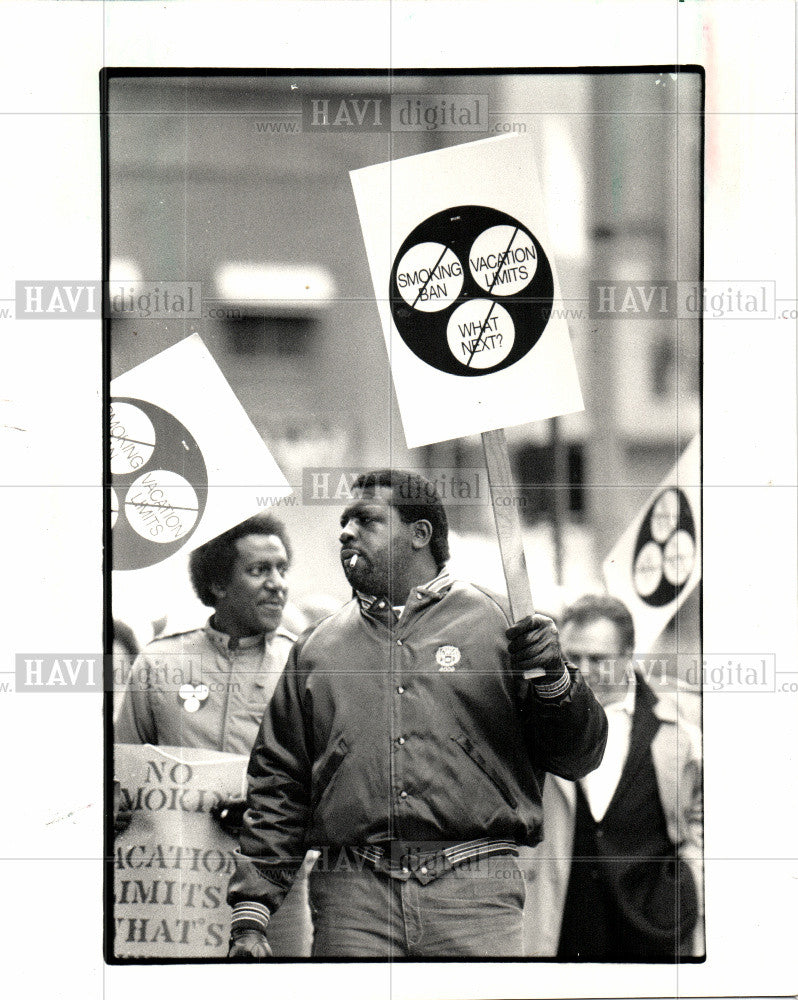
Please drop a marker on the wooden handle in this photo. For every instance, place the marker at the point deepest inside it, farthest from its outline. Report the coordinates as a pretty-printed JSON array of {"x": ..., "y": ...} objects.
[{"x": 508, "y": 528}]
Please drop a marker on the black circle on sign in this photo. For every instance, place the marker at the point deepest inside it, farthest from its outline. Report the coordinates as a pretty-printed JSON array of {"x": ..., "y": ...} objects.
[
  {"x": 425, "y": 333},
  {"x": 164, "y": 525},
  {"x": 665, "y": 591}
]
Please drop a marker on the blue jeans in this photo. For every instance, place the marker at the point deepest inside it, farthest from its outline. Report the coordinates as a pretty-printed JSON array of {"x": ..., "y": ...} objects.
[
  {"x": 290, "y": 933},
  {"x": 472, "y": 911}
]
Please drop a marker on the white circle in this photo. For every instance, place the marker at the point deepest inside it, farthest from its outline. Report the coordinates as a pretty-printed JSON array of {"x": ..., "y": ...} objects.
[
  {"x": 186, "y": 691},
  {"x": 503, "y": 260},
  {"x": 429, "y": 277},
  {"x": 679, "y": 558},
  {"x": 132, "y": 438},
  {"x": 447, "y": 656},
  {"x": 648, "y": 569},
  {"x": 191, "y": 704},
  {"x": 114, "y": 505},
  {"x": 161, "y": 506},
  {"x": 665, "y": 516},
  {"x": 480, "y": 333}
]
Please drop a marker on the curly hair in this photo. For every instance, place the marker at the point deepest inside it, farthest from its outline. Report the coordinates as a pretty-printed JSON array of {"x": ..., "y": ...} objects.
[{"x": 212, "y": 563}]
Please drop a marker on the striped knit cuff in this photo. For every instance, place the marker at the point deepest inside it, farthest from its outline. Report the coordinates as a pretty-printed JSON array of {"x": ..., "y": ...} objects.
[
  {"x": 554, "y": 689},
  {"x": 249, "y": 916}
]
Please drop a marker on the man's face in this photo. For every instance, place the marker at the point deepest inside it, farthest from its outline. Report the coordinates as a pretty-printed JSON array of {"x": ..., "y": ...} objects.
[
  {"x": 376, "y": 547},
  {"x": 254, "y": 598},
  {"x": 596, "y": 649}
]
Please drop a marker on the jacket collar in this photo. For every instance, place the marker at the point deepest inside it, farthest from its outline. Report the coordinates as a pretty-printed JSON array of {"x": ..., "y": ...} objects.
[
  {"x": 433, "y": 590},
  {"x": 227, "y": 644}
]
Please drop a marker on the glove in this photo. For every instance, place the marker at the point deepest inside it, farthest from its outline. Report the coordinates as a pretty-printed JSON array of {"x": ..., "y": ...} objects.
[
  {"x": 534, "y": 649},
  {"x": 229, "y": 814},
  {"x": 249, "y": 944}
]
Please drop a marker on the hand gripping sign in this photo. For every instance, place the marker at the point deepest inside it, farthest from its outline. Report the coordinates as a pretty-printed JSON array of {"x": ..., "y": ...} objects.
[
  {"x": 186, "y": 464},
  {"x": 468, "y": 297},
  {"x": 656, "y": 564}
]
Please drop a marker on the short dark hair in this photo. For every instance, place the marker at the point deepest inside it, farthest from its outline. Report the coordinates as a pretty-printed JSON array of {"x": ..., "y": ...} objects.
[
  {"x": 416, "y": 499},
  {"x": 212, "y": 563},
  {"x": 592, "y": 607}
]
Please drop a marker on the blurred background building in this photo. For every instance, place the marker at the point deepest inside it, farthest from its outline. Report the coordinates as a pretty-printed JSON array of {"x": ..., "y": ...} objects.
[{"x": 208, "y": 172}]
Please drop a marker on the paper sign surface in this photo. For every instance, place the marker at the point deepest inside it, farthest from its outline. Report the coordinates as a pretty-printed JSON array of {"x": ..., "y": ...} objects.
[
  {"x": 466, "y": 289},
  {"x": 173, "y": 863},
  {"x": 186, "y": 464},
  {"x": 656, "y": 564}
]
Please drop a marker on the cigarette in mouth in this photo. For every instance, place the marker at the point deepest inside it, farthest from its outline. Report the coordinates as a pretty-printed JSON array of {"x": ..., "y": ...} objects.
[{"x": 352, "y": 561}]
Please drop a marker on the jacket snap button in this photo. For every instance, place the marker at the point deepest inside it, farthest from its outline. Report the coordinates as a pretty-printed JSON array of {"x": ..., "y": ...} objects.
[
  {"x": 400, "y": 690},
  {"x": 402, "y": 795}
]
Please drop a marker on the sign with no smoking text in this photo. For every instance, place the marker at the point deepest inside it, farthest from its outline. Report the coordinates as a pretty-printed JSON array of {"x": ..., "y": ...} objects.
[{"x": 466, "y": 289}]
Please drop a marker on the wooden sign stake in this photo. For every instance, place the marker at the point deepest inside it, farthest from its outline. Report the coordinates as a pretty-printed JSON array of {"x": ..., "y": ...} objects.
[{"x": 508, "y": 528}]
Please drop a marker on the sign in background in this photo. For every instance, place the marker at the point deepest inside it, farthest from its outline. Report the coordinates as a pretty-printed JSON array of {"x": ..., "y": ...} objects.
[
  {"x": 656, "y": 564},
  {"x": 466, "y": 289},
  {"x": 173, "y": 863},
  {"x": 186, "y": 464}
]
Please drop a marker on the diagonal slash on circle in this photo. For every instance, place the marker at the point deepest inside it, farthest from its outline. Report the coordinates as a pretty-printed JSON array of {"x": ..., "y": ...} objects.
[
  {"x": 158, "y": 506},
  {"x": 119, "y": 437},
  {"x": 429, "y": 277},
  {"x": 490, "y": 311}
]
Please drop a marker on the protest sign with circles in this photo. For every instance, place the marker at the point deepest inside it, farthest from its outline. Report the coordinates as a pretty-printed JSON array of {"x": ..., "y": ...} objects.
[
  {"x": 665, "y": 550},
  {"x": 471, "y": 290},
  {"x": 159, "y": 483}
]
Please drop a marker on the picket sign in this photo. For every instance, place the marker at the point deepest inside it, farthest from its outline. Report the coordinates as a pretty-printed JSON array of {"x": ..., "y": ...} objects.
[
  {"x": 656, "y": 564},
  {"x": 185, "y": 466},
  {"x": 469, "y": 300},
  {"x": 171, "y": 866}
]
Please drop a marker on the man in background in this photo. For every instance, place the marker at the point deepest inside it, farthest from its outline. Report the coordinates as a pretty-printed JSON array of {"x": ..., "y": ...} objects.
[
  {"x": 619, "y": 874},
  {"x": 209, "y": 687}
]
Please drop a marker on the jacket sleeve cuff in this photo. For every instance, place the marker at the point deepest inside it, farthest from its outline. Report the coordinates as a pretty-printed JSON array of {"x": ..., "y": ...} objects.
[
  {"x": 249, "y": 916},
  {"x": 554, "y": 690}
]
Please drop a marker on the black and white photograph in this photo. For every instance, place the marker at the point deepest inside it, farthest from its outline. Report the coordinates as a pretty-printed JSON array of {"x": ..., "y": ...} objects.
[
  {"x": 400, "y": 707},
  {"x": 430, "y": 623}
]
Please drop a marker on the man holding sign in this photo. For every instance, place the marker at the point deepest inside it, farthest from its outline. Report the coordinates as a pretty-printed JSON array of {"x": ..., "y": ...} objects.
[{"x": 404, "y": 740}]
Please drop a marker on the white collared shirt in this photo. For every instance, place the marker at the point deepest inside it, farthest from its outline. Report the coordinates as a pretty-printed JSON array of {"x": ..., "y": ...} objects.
[{"x": 600, "y": 785}]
